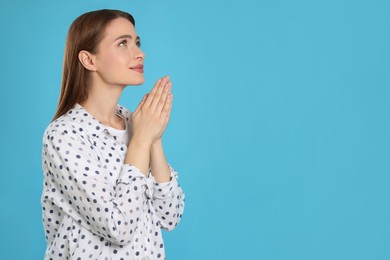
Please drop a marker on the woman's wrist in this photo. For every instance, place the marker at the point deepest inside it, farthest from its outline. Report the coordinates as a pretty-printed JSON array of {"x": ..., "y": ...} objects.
[
  {"x": 158, "y": 162},
  {"x": 141, "y": 142},
  {"x": 156, "y": 144},
  {"x": 138, "y": 154}
]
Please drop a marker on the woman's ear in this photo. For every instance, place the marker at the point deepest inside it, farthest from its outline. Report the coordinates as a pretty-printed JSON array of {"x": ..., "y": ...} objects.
[{"x": 87, "y": 60}]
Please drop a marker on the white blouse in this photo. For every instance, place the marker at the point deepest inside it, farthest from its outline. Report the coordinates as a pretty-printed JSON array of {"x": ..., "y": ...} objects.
[
  {"x": 94, "y": 205},
  {"x": 124, "y": 135}
]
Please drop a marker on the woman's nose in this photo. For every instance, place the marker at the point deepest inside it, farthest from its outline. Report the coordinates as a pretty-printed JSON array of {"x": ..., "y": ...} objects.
[{"x": 140, "y": 54}]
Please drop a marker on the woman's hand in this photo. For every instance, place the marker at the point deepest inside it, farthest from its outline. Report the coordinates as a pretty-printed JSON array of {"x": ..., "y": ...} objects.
[{"x": 151, "y": 117}]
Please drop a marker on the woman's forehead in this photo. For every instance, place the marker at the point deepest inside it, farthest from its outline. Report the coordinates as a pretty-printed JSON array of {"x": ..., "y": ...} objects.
[{"x": 118, "y": 27}]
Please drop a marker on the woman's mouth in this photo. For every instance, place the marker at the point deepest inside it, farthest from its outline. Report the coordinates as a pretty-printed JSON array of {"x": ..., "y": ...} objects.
[{"x": 138, "y": 68}]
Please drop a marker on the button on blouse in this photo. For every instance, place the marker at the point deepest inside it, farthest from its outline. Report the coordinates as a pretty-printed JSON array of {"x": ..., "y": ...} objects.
[{"x": 94, "y": 205}]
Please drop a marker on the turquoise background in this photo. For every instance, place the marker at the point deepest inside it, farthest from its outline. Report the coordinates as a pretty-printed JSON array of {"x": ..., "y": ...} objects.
[{"x": 279, "y": 129}]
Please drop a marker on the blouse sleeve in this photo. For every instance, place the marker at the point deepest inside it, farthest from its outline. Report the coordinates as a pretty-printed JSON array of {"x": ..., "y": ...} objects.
[
  {"x": 75, "y": 183},
  {"x": 168, "y": 201}
]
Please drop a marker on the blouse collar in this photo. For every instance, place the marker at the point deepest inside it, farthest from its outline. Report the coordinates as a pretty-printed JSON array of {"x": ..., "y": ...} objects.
[{"x": 90, "y": 123}]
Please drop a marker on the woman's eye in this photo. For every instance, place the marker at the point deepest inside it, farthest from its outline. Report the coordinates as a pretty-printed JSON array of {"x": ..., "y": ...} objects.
[
  {"x": 138, "y": 44},
  {"x": 125, "y": 42}
]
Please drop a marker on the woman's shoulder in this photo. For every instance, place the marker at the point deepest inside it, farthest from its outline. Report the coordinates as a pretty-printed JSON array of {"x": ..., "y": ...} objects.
[
  {"x": 60, "y": 127},
  {"x": 67, "y": 124},
  {"x": 78, "y": 123}
]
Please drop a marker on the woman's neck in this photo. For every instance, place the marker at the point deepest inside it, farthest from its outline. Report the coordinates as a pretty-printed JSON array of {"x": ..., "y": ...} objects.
[{"x": 102, "y": 102}]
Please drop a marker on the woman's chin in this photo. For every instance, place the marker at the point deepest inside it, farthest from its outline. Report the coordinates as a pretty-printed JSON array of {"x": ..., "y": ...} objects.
[{"x": 136, "y": 82}]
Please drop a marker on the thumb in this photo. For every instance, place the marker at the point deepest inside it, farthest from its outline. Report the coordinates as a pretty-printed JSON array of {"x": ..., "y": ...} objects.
[{"x": 141, "y": 103}]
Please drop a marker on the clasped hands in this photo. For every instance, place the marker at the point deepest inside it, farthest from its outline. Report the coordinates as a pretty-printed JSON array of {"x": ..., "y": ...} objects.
[{"x": 151, "y": 117}]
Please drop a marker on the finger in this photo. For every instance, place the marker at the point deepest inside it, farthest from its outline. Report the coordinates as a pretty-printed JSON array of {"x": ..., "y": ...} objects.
[
  {"x": 165, "y": 93},
  {"x": 168, "y": 116},
  {"x": 150, "y": 98},
  {"x": 157, "y": 99},
  {"x": 169, "y": 87},
  {"x": 167, "y": 112},
  {"x": 141, "y": 103},
  {"x": 170, "y": 107},
  {"x": 167, "y": 107}
]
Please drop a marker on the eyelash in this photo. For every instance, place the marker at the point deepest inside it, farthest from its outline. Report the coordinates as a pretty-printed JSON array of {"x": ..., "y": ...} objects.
[{"x": 138, "y": 43}]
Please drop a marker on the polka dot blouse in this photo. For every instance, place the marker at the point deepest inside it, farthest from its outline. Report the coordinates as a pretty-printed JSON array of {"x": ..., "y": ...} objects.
[{"x": 94, "y": 205}]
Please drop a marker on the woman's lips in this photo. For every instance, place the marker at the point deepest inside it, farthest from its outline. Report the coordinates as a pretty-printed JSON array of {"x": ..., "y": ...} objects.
[{"x": 138, "y": 68}]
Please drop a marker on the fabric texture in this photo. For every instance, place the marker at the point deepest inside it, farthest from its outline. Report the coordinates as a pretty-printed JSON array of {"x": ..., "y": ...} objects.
[
  {"x": 124, "y": 135},
  {"x": 94, "y": 206}
]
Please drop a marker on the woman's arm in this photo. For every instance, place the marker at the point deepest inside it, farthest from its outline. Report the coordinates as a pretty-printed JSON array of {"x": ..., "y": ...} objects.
[
  {"x": 149, "y": 121},
  {"x": 168, "y": 199},
  {"x": 74, "y": 182},
  {"x": 158, "y": 164}
]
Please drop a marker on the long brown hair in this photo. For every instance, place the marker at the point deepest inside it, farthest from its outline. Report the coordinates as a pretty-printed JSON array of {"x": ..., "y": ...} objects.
[{"x": 85, "y": 33}]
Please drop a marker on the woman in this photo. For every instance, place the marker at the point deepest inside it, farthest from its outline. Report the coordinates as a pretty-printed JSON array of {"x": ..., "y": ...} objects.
[{"x": 108, "y": 189}]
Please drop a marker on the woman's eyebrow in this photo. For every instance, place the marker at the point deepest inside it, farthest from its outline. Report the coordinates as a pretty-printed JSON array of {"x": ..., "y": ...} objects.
[{"x": 126, "y": 36}]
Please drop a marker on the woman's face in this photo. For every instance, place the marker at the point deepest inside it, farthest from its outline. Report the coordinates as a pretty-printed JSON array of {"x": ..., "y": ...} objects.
[{"x": 119, "y": 60}]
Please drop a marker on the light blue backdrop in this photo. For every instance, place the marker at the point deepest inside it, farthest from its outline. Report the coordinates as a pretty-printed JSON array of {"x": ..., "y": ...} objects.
[{"x": 279, "y": 130}]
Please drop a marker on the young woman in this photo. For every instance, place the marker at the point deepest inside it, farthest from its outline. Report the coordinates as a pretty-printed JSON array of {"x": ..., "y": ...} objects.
[{"x": 108, "y": 189}]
